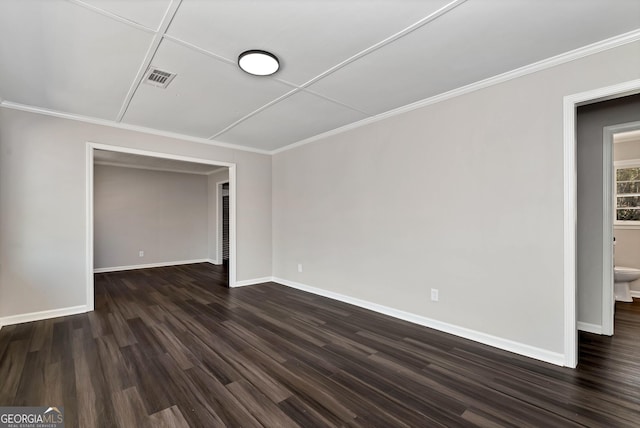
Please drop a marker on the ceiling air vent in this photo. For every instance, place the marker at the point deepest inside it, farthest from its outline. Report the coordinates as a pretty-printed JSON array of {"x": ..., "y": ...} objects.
[{"x": 158, "y": 78}]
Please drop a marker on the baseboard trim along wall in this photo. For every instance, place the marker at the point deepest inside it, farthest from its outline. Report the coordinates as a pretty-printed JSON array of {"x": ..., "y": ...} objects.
[
  {"x": 589, "y": 328},
  {"x": 487, "y": 339},
  {"x": 476, "y": 336},
  {"x": 150, "y": 265},
  {"x": 254, "y": 281},
  {"x": 42, "y": 315},
  {"x": 635, "y": 294}
]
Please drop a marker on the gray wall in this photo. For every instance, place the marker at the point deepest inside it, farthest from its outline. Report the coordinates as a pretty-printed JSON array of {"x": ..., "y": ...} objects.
[
  {"x": 591, "y": 120},
  {"x": 213, "y": 211},
  {"x": 164, "y": 214},
  {"x": 42, "y": 206},
  {"x": 627, "y": 251},
  {"x": 465, "y": 195}
]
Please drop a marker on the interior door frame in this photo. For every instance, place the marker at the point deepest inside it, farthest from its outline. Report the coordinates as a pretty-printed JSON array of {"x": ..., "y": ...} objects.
[
  {"x": 570, "y": 212},
  {"x": 91, "y": 147},
  {"x": 608, "y": 217},
  {"x": 220, "y": 222}
]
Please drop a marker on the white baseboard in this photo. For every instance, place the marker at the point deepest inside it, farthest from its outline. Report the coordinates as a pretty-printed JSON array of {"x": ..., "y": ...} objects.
[
  {"x": 214, "y": 262},
  {"x": 487, "y": 339},
  {"x": 635, "y": 294},
  {"x": 42, "y": 315},
  {"x": 149, "y": 265},
  {"x": 589, "y": 328},
  {"x": 254, "y": 281}
]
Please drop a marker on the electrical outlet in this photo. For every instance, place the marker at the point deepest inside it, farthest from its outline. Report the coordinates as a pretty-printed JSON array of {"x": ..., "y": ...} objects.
[
  {"x": 299, "y": 267},
  {"x": 434, "y": 294},
  {"x": 141, "y": 253}
]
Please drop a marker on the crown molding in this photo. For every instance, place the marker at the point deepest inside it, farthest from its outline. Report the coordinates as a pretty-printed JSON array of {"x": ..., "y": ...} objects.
[
  {"x": 135, "y": 128},
  {"x": 298, "y": 88},
  {"x": 607, "y": 44},
  {"x": 594, "y": 48}
]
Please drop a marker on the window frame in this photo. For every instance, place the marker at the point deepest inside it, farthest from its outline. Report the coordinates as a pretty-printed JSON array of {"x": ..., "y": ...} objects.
[{"x": 623, "y": 224}]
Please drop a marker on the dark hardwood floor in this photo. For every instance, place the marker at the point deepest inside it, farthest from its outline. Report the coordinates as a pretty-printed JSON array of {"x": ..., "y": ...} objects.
[{"x": 174, "y": 347}]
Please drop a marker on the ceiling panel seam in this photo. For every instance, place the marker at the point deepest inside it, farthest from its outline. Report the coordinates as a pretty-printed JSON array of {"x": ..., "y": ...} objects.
[
  {"x": 198, "y": 49},
  {"x": 279, "y": 99},
  {"x": 151, "y": 53},
  {"x": 113, "y": 16},
  {"x": 127, "y": 126},
  {"x": 253, "y": 113},
  {"x": 573, "y": 55},
  {"x": 310, "y": 92},
  {"x": 429, "y": 18},
  {"x": 219, "y": 57},
  {"x": 411, "y": 28},
  {"x": 594, "y": 48},
  {"x": 125, "y": 20}
]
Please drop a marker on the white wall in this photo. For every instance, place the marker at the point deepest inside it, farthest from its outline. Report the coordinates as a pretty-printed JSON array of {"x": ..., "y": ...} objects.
[
  {"x": 165, "y": 214},
  {"x": 626, "y": 150},
  {"x": 591, "y": 120},
  {"x": 465, "y": 196},
  {"x": 214, "y": 228},
  {"x": 42, "y": 206},
  {"x": 627, "y": 251}
]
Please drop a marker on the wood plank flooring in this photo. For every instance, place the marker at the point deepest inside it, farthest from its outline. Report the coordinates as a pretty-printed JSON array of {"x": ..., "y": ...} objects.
[{"x": 173, "y": 347}]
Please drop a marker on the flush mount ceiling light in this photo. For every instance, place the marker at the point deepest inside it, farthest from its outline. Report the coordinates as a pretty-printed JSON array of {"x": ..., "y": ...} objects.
[{"x": 258, "y": 63}]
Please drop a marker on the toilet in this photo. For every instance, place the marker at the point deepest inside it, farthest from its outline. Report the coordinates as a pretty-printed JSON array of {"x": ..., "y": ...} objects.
[{"x": 622, "y": 276}]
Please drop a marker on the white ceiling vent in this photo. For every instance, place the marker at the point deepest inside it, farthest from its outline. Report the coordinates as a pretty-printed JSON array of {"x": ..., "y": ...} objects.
[{"x": 158, "y": 78}]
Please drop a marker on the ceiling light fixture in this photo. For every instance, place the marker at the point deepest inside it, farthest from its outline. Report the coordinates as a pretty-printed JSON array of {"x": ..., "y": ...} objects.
[{"x": 258, "y": 63}]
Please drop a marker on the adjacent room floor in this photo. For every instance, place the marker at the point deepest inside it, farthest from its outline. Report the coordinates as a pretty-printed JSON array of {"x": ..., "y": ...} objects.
[{"x": 174, "y": 347}]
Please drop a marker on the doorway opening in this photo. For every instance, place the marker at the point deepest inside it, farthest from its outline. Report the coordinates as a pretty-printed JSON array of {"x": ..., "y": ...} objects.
[
  {"x": 621, "y": 214},
  {"x": 223, "y": 235},
  {"x": 570, "y": 211},
  {"x": 155, "y": 158}
]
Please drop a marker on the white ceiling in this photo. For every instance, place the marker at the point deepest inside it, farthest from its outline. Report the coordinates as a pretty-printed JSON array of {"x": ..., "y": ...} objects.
[{"x": 342, "y": 61}]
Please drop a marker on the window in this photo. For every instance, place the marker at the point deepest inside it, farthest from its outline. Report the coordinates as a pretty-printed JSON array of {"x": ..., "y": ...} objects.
[{"x": 627, "y": 192}]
